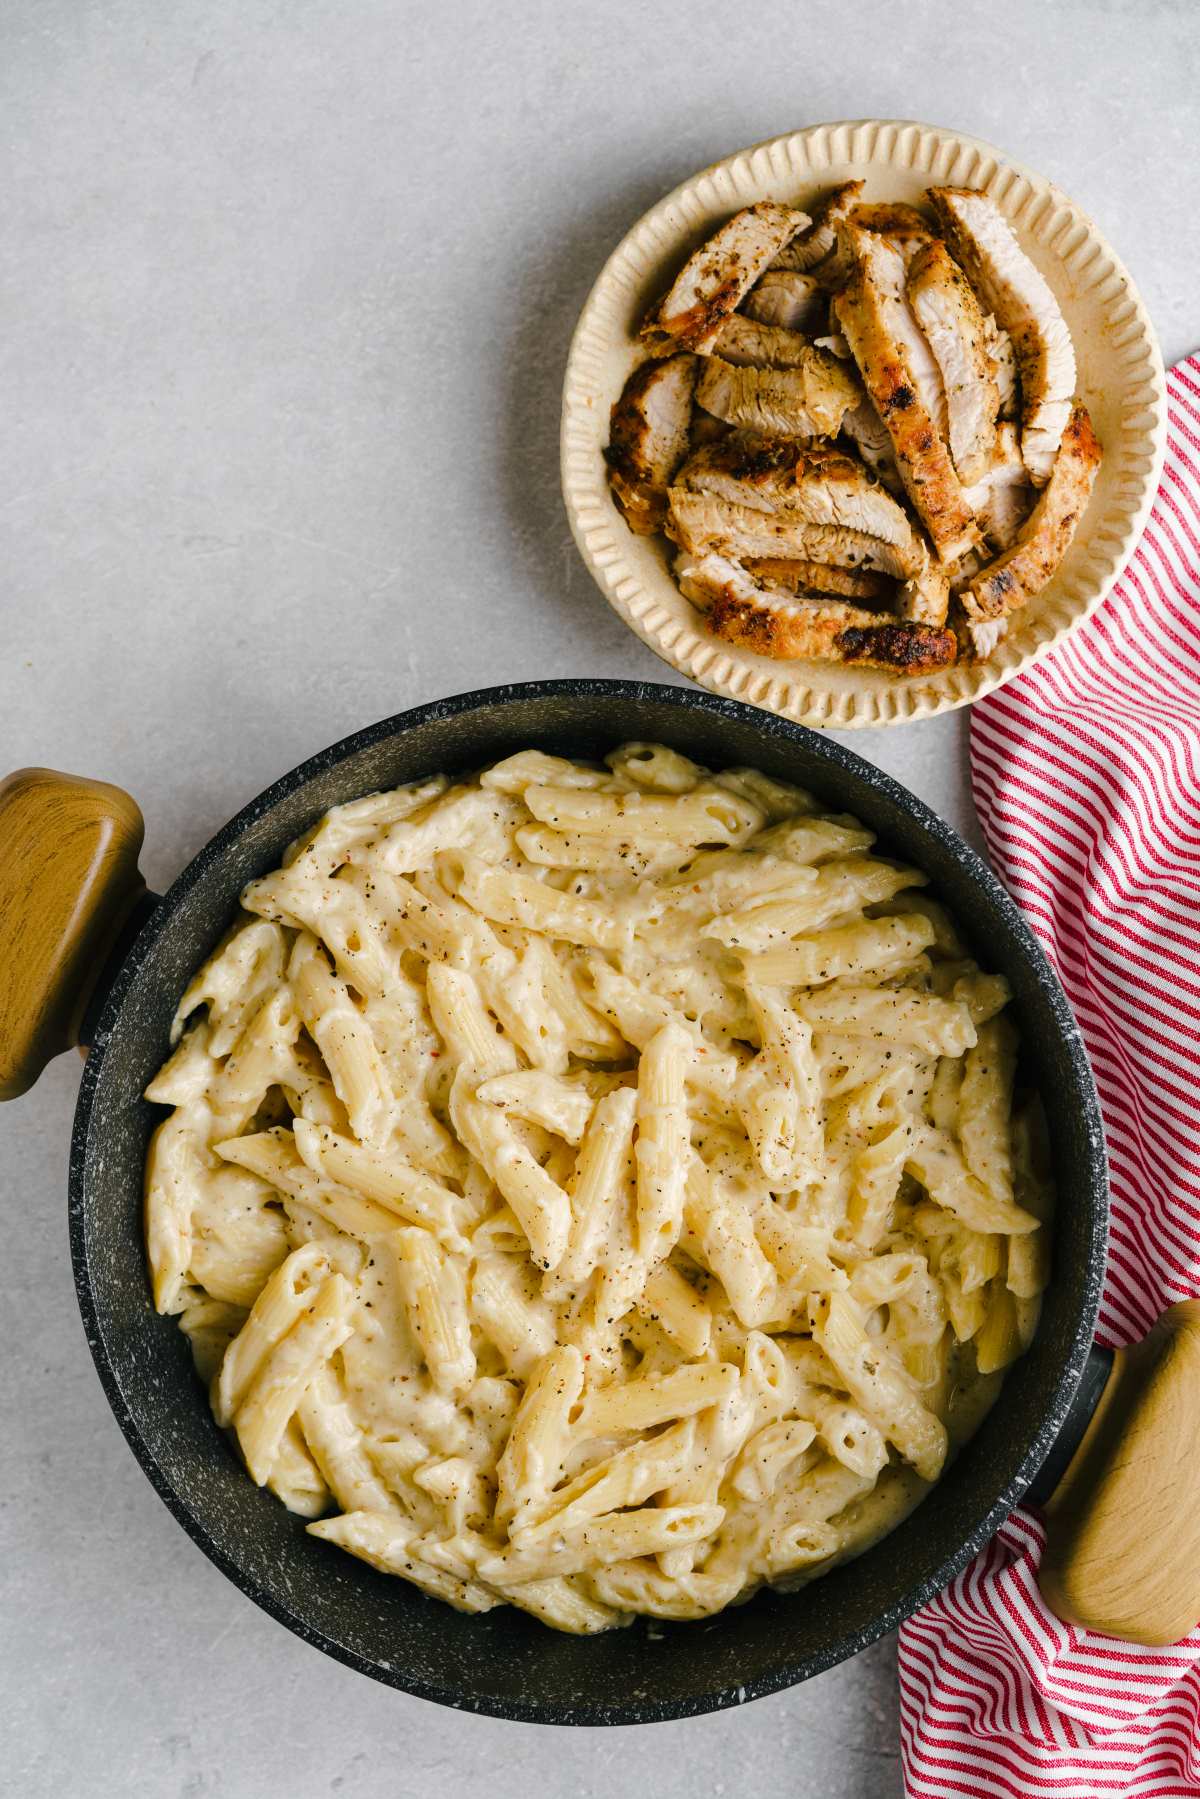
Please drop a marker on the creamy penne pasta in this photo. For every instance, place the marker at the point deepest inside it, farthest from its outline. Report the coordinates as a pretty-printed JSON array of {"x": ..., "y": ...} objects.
[{"x": 596, "y": 1187}]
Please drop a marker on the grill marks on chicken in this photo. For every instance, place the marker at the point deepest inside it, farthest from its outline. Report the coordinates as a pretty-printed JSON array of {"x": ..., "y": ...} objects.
[
  {"x": 772, "y": 622},
  {"x": 1020, "y": 297},
  {"x": 701, "y": 521},
  {"x": 648, "y": 438},
  {"x": 873, "y": 314},
  {"x": 946, "y": 389},
  {"x": 950, "y": 317},
  {"x": 813, "y": 482},
  {"x": 1044, "y": 538},
  {"x": 714, "y": 281}
]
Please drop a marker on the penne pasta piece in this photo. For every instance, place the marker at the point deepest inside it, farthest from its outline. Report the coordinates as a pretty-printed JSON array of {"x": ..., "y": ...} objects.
[
  {"x": 985, "y": 1108},
  {"x": 278, "y": 1383},
  {"x": 531, "y": 1465},
  {"x": 936, "y": 1027},
  {"x": 513, "y": 899},
  {"x": 434, "y": 1293},
  {"x": 661, "y": 1151},
  {"x": 411, "y": 1196},
  {"x": 389, "y": 1543},
  {"x": 672, "y": 1303},
  {"x": 643, "y": 1402},
  {"x": 878, "y": 1385},
  {"x": 344, "y": 1039},
  {"x": 939, "y": 1167},
  {"x": 845, "y": 953},
  {"x": 706, "y": 815}
]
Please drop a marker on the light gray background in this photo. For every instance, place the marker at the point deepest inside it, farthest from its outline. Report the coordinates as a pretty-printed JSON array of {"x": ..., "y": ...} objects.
[{"x": 287, "y": 287}]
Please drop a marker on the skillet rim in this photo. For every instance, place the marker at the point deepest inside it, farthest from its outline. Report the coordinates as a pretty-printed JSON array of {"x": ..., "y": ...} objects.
[{"x": 839, "y": 1647}]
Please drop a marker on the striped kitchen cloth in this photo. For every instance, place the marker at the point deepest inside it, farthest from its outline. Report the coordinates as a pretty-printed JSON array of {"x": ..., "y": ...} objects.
[{"x": 1086, "y": 777}]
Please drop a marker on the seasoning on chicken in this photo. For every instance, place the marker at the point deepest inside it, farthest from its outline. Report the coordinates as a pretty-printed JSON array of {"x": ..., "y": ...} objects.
[
  {"x": 1025, "y": 568},
  {"x": 742, "y": 340},
  {"x": 784, "y": 297},
  {"x": 713, "y": 282},
  {"x": 1018, "y": 294},
  {"x": 948, "y": 313},
  {"x": 869, "y": 435},
  {"x": 1001, "y": 497},
  {"x": 822, "y": 577},
  {"x": 700, "y": 522},
  {"x": 904, "y": 384},
  {"x": 648, "y": 438},
  {"x": 814, "y": 482},
  {"x": 772, "y": 622},
  {"x": 811, "y": 247},
  {"x": 808, "y": 400}
]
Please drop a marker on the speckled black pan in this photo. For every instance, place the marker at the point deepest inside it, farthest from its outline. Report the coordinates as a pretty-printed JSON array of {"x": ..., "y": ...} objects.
[{"x": 505, "y": 1663}]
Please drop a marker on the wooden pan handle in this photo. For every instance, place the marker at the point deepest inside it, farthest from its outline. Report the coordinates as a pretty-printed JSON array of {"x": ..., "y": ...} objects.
[
  {"x": 1123, "y": 1524},
  {"x": 68, "y": 881}
]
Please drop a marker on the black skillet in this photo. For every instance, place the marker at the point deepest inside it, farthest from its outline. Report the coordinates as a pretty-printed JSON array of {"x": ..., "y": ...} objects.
[{"x": 108, "y": 970}]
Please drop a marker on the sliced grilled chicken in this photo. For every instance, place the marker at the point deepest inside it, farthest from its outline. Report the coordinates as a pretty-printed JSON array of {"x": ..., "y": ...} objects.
[
  {"x": 808, "y": 481},
  {"x": 648, "y": 438},
  {"x": 700, "y": 522},
  {"x": 1002, "y": 497},
  {"x": 1025, "y": 568},
  {"x": 924, "y": 598},
  {"x": 806, "y": 401},
  {"x": 1019, "y": 296},
  {"x": 784, "y": 297},
  {"x": 772, "y": 622},
  {"x": 904, "y": 385},
  {"x": 822, "y": 577},
  {"x": 978, "y": 637},
  {"x": 894, "y": 219},
  {"x": 714, "y": 281},
  {"x": 1004, "y": 368},
  {"x": 811, "y": 247},
  {"x": 742, "y": 340},
  {"x": 706, "y": 429},
  {"x": 948, "y": 313},
  {"x": 869, "y": 435}
]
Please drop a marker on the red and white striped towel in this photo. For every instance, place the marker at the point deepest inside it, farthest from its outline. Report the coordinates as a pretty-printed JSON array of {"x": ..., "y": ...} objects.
[{"x": 1087, "y": 782}]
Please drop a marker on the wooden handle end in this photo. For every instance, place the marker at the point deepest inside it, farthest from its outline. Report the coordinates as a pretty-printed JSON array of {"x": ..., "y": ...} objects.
[
  {"x": 68, "y": 879},
  {"x": 1123, "y": 1526}
]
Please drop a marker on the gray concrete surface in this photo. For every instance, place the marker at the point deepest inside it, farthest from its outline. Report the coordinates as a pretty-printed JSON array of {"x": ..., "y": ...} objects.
[{"x": 285, "y": 299}]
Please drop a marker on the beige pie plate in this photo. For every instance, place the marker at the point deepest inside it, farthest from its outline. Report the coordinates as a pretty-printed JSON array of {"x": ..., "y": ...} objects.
[{"x": 1120, "y": 377}]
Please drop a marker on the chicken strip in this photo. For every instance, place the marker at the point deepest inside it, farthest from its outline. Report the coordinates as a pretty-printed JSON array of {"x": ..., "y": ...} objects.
[
  {"x": 948, "y": 313},
  {"x": 714, "y": 281},
  {"x": 924, "y": 599},
  {"x": 743, "y": 340},
  {"x": 699, "y": 522},
  {"x": 1002, "y": 497},
  {"x": 784, "y": 297},
  {"x": 822, "y": 577},
  {"x": 809, "y": 481},
  {"x": 648, "y": 438},
  {"x": 1004, "y": 368},
  {"x": 807, "y": 401},
  {"x": 903, "y": 383},
  {"x": 1018, "y": 294},
  {"x": 811, "y": 247},
  {"x": 772, "y": 622},
  {"x": 869, "y": 435},
  {"x": 1043, "y": 540}
]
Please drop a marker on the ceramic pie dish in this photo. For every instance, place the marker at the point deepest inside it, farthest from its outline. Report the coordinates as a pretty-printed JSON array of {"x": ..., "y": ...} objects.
[{"x": 1120, "y": 377}]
